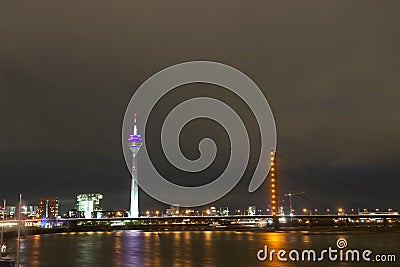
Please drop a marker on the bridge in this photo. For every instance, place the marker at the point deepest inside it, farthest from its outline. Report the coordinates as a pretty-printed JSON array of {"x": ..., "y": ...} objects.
[
  {"x": 238, "y": 221},
  {"x": 205, "y": 223}
]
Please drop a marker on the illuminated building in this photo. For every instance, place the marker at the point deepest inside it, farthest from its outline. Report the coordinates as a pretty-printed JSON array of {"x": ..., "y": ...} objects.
[
  {"x": 189, "y": 212},
  {"x": 251, "y": 210},
  {"x": 11, "y": 210},
  {"x": 173, "y": 210},
  {"x": 213, "y": 211},
  {"x": 135, "y": 142},
  {"x": 224, "y": 211},
  {"x": 29, "y": 210},
  {"x": 88, "y": 205},
  {"x": 115, "y": 214},
  {"x": 273, "y": 184},
  {"x": 73, "y": 213},
  {"x": 47, "y": 208}
]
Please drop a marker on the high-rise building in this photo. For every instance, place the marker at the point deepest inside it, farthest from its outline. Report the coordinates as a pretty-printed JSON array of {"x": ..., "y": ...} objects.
[
  {"x": 47, "y": 208},
  {"x": 88, "y": 204},
  {"x": 135, "y": 142}
]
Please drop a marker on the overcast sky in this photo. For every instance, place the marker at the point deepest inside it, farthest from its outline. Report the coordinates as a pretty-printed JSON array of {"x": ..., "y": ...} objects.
[{"x": 330, "y": 71}]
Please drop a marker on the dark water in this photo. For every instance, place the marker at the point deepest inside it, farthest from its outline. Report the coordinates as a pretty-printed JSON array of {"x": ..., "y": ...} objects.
[{"x": 213, "y": 248}]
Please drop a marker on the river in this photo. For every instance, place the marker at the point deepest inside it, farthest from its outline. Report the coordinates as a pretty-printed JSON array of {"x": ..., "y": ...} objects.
[{"x": 195, "y": 248}]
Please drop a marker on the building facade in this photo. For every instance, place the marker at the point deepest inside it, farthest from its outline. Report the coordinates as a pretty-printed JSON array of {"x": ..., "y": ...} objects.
[
  {"x": 88, "y": 205},
  {"x": 47, "y": 208}
]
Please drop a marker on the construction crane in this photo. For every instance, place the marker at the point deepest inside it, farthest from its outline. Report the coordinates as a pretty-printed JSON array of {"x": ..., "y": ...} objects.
[{"x": 290, "y": 194}]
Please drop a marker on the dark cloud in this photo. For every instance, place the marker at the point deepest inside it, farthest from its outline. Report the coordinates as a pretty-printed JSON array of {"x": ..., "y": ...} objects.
[{"x": 329, "y": 70}]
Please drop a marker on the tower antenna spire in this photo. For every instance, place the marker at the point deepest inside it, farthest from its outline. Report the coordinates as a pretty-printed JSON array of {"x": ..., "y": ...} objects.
[{"x": 134, "y": 125}]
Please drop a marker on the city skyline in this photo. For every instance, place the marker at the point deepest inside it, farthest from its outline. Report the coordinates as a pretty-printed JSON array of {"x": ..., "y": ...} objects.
[
  {"x": 334, "y": 95},
  {"x": 89, "y": 206},
  {"x": 202, "y": 133}
]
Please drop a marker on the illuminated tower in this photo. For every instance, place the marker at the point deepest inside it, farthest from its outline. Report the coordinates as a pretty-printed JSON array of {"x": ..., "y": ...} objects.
[
  {"x": 274, "y": 184},
  {"x": 135, "y": 142}
]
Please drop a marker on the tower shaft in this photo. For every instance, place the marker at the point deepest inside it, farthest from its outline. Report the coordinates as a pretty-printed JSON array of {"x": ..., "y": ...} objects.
[{"x": 134, "y": 209}]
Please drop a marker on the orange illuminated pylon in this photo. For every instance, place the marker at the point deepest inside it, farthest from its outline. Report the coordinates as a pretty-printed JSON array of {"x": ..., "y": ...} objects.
[{"x": 273, "y": 184}]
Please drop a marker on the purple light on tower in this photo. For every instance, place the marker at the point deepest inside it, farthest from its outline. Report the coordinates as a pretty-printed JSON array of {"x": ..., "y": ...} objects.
[{"x": 135, "y": 142}]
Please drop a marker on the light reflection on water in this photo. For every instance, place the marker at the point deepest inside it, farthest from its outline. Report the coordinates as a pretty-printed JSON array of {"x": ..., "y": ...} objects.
[{"x": 208, "y": 248}]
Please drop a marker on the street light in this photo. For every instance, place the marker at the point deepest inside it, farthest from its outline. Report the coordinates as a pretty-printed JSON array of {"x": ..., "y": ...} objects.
[{"x": 340, "y": 211}]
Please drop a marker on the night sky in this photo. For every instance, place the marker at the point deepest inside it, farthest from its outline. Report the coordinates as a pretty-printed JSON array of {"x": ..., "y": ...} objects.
[{"x": 330, "y": 71}]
